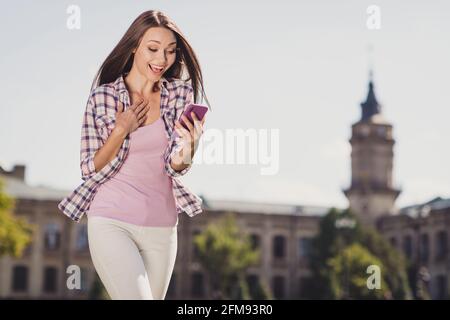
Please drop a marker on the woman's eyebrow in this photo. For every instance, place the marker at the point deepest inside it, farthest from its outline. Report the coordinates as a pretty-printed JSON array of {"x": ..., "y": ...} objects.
[{"x": 160, "y": 42}]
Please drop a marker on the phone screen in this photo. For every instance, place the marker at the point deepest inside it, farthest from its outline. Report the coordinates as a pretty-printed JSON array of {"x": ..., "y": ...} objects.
[{"x": 199, "y": 110}]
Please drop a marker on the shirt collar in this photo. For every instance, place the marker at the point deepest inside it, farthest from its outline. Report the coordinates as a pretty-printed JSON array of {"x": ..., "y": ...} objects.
[{"x": 120, "y": 87}]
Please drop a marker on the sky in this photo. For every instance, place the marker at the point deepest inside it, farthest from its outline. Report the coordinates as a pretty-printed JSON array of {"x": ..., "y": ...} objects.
[{"x": 301, "y": 67}]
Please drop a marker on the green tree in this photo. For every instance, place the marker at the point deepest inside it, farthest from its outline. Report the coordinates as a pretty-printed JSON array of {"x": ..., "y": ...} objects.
[
  {"x": 348, "y": 274},
  {"x": 395, "y": 263},
  {"x": 225, "y": 253},
  {"x": 15, "y": 233},
  {"x": 339, "y": 230}
]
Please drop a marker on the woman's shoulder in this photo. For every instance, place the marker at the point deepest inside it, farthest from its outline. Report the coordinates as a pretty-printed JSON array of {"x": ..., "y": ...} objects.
[
  {"x": 179, "y": 84},
  {"x": 106, "y": 88},
  {"x": 180, "y": 89},
  {"x": 110, "y": 88},
  {"x": 102, "y": 98}
]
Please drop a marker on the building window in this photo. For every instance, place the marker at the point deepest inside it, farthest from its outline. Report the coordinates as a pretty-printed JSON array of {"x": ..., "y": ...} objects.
[
  {"x": 52, "y": 236},
  {"x": 305, "y": 284},
  {"x": 305, "y": 247},
  {"x": 81, "y": 243},
  {"x": 393, "y": 241},
  {"x": 84, "y": 279},
  {"x": 441, "y": 245},
  {"x": 195, "y": 252},
  {"x": 441, "y": 287},
  {"x": 171, "y": 291},
  {"x": 279, "y": 243},
  {"x": 20, "y": 279},
  {"x": 197, "y": 284},
  {"x": 381, "y": 131},
  {"x": 278, "y": 287},
  {"x": 253, "y": 286},
  {"x": 407, "y": 246},
  {"x": 424, "y": 248},
  {"x": 255, "y": 241},
  {"x": 50, "y": 279}
]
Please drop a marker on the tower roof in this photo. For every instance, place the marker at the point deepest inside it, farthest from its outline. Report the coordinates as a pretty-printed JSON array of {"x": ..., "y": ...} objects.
[{"x": 371, "y": 106}]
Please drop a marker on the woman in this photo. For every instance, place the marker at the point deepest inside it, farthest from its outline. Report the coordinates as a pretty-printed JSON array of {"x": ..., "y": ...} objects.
[{"x": 133, "y": 148}]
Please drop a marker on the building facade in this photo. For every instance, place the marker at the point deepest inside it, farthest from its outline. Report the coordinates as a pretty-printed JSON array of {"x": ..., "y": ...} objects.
[
  {"x": 420, "y": 231},
  {"x": 282, "y": 233}
]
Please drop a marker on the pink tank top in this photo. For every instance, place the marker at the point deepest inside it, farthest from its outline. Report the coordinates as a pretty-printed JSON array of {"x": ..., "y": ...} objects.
[{"x": 140, "y": 192}]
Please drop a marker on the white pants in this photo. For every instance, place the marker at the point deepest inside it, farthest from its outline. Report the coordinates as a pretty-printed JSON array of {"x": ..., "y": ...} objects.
[{"x": 132, "y": 261}]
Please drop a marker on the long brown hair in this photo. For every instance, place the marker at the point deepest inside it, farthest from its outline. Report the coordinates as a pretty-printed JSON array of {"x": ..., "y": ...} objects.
[{"x": 120, "y": 60}]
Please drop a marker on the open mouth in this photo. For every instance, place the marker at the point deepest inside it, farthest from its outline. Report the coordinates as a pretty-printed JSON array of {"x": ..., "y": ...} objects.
[{"x": 156, "y": 69}]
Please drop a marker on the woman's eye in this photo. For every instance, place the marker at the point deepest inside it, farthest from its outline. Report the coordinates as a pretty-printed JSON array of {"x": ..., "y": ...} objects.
[{"x": 154, "y": 50}]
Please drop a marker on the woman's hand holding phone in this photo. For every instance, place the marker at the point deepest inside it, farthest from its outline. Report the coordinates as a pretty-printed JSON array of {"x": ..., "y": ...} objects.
[{"x": 191, "y": 135}]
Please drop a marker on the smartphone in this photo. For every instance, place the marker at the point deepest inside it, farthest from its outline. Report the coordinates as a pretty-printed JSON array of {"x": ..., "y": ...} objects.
[{"x": 199, "y": 110}]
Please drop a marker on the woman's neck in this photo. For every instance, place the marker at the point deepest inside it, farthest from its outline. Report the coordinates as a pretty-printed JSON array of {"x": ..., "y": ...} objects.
[{"x": 138, "y": 84}]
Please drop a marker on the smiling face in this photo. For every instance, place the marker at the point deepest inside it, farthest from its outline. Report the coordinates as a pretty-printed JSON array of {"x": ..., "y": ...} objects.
[{"x": 156, "y": 53}]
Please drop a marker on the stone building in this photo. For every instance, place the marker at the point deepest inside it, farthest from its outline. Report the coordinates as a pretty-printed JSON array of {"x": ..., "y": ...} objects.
[
  {"x": 283, "y": 233},
  {"x": 419, "y": 231}
]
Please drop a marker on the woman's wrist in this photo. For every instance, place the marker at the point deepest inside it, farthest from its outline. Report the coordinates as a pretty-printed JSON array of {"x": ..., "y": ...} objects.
[{"x": 119, "y": 132}]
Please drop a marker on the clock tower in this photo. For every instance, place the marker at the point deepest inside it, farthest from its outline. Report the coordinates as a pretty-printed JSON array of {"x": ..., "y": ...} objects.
[{"x": 371, "y": 193}]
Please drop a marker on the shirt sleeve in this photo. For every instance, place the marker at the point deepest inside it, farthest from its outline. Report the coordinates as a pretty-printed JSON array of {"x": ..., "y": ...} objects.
[
  {"x": 91, "y": 140},
  {"x": 176, "y": 143}
]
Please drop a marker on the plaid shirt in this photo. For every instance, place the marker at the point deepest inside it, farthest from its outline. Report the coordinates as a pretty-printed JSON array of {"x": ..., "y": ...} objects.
[{"x": 99, "y": 121}]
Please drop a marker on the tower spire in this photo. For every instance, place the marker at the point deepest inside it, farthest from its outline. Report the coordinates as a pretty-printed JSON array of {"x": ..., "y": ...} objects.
[{"x": 371, "y": 106}]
